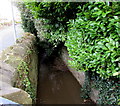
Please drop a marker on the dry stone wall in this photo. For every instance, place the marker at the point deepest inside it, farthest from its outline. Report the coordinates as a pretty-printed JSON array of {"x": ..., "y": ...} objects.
[{"x": 13, "y": 60}]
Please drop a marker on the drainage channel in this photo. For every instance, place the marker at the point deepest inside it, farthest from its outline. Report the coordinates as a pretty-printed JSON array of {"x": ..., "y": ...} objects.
[{"x": 56, "y": 85}]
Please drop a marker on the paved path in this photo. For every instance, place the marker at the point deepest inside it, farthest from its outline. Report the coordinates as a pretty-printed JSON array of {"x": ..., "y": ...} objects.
[{"x": 7, "y": 36}]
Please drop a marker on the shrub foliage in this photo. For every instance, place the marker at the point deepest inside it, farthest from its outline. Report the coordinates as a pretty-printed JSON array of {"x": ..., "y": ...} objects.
[
  {"x": 93, "y": 40},
  {"x": 54, "y": 16},
  {"x": 27, "y": 19}
]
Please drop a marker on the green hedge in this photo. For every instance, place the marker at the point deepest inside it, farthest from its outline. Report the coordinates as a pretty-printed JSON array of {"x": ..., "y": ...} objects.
[
  {"x": 54, "y": 16},
  {"x": 27, "y": 19},
  {"x": 93, "y": 40}
]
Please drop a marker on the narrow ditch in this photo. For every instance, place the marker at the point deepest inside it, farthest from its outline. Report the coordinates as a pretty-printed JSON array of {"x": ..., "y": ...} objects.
[{"x": 56, "y": 85}]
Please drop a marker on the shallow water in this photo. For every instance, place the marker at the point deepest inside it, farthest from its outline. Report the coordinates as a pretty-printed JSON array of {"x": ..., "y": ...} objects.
[{"x": 57, "y": 85}]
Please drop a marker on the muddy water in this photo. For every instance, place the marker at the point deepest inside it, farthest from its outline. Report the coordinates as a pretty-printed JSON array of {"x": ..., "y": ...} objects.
[{"x": 57, "y": 85}]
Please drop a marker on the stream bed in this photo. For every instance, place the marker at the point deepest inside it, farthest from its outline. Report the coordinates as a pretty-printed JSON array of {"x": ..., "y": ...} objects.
[{"x": 56, "y": 84}]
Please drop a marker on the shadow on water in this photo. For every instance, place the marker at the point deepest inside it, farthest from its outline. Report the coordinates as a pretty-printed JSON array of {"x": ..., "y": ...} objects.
[{"x": 56, "y": 85}]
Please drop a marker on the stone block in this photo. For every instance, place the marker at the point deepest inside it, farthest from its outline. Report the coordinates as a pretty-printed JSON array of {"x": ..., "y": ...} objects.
[{"x": 16, "y": 95}]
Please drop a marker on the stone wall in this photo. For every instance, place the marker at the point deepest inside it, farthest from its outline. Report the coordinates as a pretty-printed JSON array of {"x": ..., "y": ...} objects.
[
  {"x": 25, "y": 52},
  {"x": 80, "y": 76}
]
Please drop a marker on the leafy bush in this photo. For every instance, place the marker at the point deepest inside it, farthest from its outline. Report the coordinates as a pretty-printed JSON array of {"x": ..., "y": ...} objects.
[
  {"x": 93, "y": 40},
  {"x": 108, "y": 89},
  {"x": 57, "y": 14},
  {"x": 54, "y": 17},
  {"x": 27, "y": 19}
]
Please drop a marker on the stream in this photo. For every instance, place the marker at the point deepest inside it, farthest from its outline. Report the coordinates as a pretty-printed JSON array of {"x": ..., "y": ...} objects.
[{"x": 56, "y": 84}]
